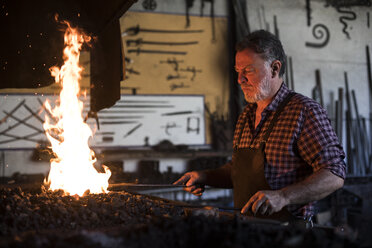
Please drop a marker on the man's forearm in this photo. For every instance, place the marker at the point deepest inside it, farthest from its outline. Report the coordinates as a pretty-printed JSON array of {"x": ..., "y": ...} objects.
[
  {"x": 315, "y": 187},
  {"x": 220, "y": 177}
]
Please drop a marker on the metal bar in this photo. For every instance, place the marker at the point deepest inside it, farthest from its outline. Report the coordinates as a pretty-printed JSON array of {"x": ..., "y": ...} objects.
[
  {"x": 319, "y": 86},
  {"x": 139, "y": 51},
  {"x": 178, "y": 113},
  {"x": 135, "y": 30},
  {"x": 46, "y": 110},
  {"x": 291, "y": 73},
  {"x": 340, "y": 113},
  {"x": 125, "y": 111},
  {"x": 142, "y": 101},
  {"x": 16, "y": 125},
  {"x": 120, "y": 117},
  {"x": 132, "y": 130},
  {"x": 143, "y": 106},
  {"x": 117, "y": 122},
  {"x": 34, "y": 114},
  {"x": 12, "y": 111},
  {"x": 23, "y": 122},
  {"x": 140, "y": 41},
  {"x": 147, "y": 185},
  {"x": 369, "y": 73},
  {"x": 276, "y": 30},
  {"x": 349, "y": 148},
  {"x": 360, "y": 138}
]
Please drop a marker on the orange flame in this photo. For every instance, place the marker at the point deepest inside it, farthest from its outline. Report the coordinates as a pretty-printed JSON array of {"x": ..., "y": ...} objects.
[{"x": 73, "y": 170}]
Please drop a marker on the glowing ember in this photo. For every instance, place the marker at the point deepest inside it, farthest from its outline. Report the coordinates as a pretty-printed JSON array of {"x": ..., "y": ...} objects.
[{"x": 73, "y": 169}]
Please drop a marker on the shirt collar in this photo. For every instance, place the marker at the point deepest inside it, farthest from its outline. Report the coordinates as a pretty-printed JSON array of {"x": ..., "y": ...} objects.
[{"x": 278, "y": 98}]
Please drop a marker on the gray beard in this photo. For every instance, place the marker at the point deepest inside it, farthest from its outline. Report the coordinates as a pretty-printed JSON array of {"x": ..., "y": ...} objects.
[{"x": 263, "y": 92}]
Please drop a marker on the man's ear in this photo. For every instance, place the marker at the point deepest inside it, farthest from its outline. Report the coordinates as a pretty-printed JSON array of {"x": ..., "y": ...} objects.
[{"x": 275, "y": 67}]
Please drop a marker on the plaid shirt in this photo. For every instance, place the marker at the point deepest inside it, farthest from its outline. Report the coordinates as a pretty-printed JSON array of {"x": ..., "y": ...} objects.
[{"x": 301, "y": 142}]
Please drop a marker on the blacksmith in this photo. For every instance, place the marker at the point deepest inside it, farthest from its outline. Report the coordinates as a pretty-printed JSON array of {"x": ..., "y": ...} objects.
[{"x": 286, "y": 154}]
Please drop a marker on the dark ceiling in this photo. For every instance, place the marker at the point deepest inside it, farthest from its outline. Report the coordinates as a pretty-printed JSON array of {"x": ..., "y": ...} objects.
[{"x": 31, "y": 42}]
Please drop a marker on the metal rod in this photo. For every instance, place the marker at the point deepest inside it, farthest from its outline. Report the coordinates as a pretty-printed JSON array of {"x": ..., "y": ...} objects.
[
  {"x": 291, "y": 73},
  {"x": 12, "y": 111},
  {"x": 178, "y": 113},
  {"x": 349, "y": 148},
  {"x": 140, "y": 41},
  {"x": 135, "y": 30},
  {"x": 319, "y": 86},
  {"x": 147, "y": 185},
  {"x": 23, "y": 122},
  {"x": 132, "y": 130},
  {"x": 34, "y": 114},
  {"x": 16, "y": 125},
  {"x": 142, "y": 106},
  {"x": 139, "y": 51}
]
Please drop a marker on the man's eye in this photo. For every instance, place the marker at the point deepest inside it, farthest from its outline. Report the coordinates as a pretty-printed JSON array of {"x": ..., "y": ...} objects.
[{"x": 248, "y": 70}]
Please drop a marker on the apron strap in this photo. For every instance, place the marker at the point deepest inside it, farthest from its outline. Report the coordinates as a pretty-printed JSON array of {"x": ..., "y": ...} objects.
[
  {"x": 276, "y": 116},
  {"x": 273, "y": 121}
]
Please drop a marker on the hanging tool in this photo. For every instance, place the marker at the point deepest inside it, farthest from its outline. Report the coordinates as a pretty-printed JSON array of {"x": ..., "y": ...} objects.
[
  {"x": 192, "y": 70},
  {"x": 360, "y": 139},
  {"x": 241, "y": 18},
  {"x": 138, "y": 51},
  {"x": 132, "y": 71},
  {"x": 212, "y": 21},
  {"x": 193, "y": 129},
  {"x": 173, "y": 62},
  {"x": 50, "y": 115},
  {"x": 276, "y": 30},
  {"x": 308, "y": 13},
  {"x": 169, "y": 126},
  {"x": 92, "y": 114},
  {"x": 34, "y": 114},
  {"x": 189, "y": 4},
  {"x": 320, "y": 31},
  {"x": 135, "y": 30},
  {"x": 172, "y": 77},
  {"x": 178, "y": 86},
  {"x": 17, "y": 124},
  {"x": 349, "y": 147},
  {"x": 117, "y": 122},
  {"x": 12, "y": 111},
  {"x": 149, "y": 4},
  {"x": 132, "y": 130},
  {"x": 142, "y": 106},
  {"x": 319, "y": 86},
  {"x": 15, "y": 138},
  {"x": 178, "y": 113},
  {"x": 23, "y": 122},
  {"x": 291, "y": 73},
  {"x": 339, "y": 114},
  {"x": 140, "y": 42}
]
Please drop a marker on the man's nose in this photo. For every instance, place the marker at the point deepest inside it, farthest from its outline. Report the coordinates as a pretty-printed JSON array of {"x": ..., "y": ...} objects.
[{"x": 242, "y": 79}]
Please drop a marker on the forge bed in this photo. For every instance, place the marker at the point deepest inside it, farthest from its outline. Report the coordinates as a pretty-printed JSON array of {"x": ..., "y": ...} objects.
[{"x": 123, "y": 219}]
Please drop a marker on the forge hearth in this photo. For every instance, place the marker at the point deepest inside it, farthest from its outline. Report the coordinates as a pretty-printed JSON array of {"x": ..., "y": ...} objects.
[{"x": 123, "y": 219}]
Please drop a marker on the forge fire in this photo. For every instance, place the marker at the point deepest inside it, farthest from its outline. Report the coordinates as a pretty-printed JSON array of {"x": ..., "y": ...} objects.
[{"x": 72, "y": 170}]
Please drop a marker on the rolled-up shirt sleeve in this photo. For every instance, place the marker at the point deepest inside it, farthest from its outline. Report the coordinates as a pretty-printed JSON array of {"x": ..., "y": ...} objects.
[{"x": 318, "y": 144}]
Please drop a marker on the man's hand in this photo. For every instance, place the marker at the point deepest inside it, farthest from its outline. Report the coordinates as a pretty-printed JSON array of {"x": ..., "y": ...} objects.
[
  {"x": 265, "y": 202},
  {"x": 194, "y": 182}
]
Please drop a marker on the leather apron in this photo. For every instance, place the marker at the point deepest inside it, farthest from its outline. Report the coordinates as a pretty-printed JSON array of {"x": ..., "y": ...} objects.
[{"x": 248, "y": 174}]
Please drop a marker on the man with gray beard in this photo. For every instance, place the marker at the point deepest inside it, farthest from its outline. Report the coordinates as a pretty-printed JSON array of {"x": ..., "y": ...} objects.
[{"x": 286, "y": 154}]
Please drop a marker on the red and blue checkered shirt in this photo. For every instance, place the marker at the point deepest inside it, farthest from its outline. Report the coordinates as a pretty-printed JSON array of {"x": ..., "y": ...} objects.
[{"x": 301, "y": 142}]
